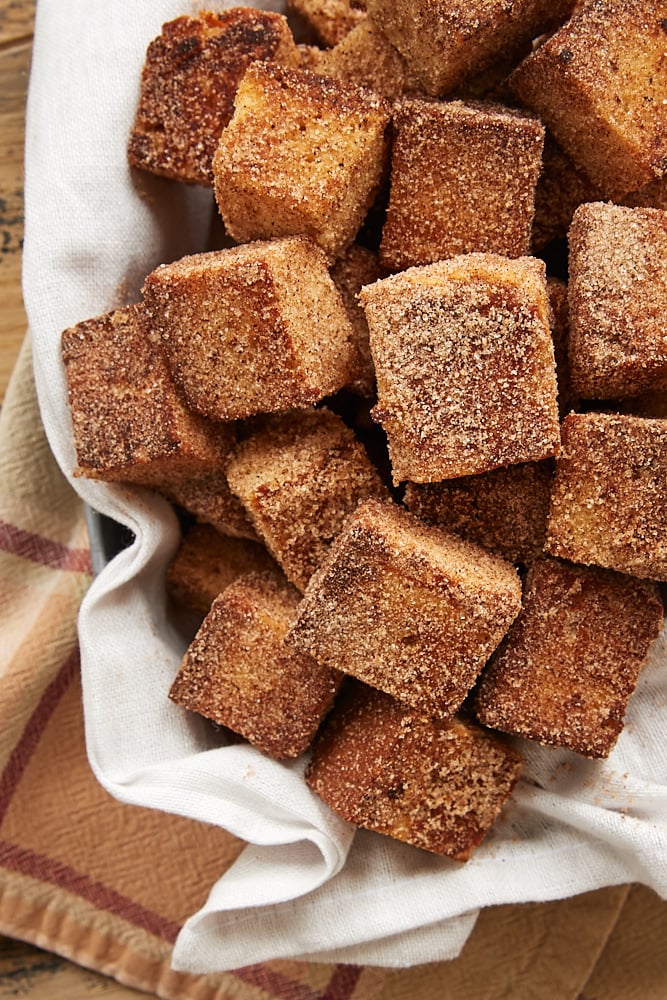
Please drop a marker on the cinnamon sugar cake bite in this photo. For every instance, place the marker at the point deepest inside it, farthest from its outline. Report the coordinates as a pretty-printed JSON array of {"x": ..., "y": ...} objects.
[
  {"x": 131, "y": 425},
  {"x": 208, "y": 561},
  {"x": 252, "y": 329},
  {"x": 299, "y": 476},
  {"x": 436, "y": 784},
  {"x": 618, "y": 301},
  {"x": 329, "y": 20},
  {"x": 365, "y": 56},
  {"x": 303, "y": 154},
  {"x": 447, "y": 42},
  {"x": 463, "y": 178},
  {"x": 567, "y": 668},
  {"x": 239, "y": 673},
  {"x": 465, "y": 367},
  {"x": 504, "y": 510},
  {"x": 599, "y": 84},
  {"x": 357, "y": 267},
  {"x": 188, "y": 85},
  {"x": 410, "y": 609},
  {"x": 609, "y": 498}
]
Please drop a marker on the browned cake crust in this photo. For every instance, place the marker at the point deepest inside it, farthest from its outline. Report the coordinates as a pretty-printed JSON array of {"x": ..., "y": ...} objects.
[
  {"x": 358, "y": 267},
  {"x": 407, "y": 608},
  {"x": 609, "y": 498},
  {"x": 505, "y": 510},
  {"x": 465, "y": 366},
  {"x": 618, "y": 300},
  {"x": 438, "y": 785},
  {"x": 252, "y": 329},
  {"x": 463, "y": 179},
  {"x": 599, "y": 84},
  {"x": 189, "y": 83},
  {"x": 299, "y": 478},
  {"x": 570, "y": 662},
  {"x": 303, "y": 154},
  {"x": 329, "y": 20},
  {"x": 129, "y": 422},
  {"x": 239, "y": 673},
  {"x": 207, "y": 562},
  {"x": 446, "y": 42}
]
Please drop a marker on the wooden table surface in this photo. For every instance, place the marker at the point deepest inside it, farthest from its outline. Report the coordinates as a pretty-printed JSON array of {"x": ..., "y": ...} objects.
[{"x": 26, "y": 971}]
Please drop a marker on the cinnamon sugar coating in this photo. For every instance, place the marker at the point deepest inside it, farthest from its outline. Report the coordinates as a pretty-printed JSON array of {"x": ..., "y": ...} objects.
[
  {"x": 652, "y": 195},
  {"x": 302, "y": 154},
  {"x": 299, "y": 477},
  {"x": 252, "y": 329},
  {"x": 329, "y": 20},
  {"x": 438, "y": 785},
  {"x": 407, "y": 608},
  {"x": 600, "y": 85},
  {"x": 560, "y": 332},
  {"x": 618, "y": 300},
  {"x": 130, "y": 423},
  {"x": 505, "y": 510},
  {"x": 567, "y": 668},
  {"x": 562, "y": 186},
  {"x": 239, "y": 673},
  {"x": 207, "y": 562},
  {"x": 358, "y": 267},
  {"x": 206, "y": 494},
  {"x": 463, "y": 179},
  {"x": 366, "y": 57},
  {"x": 446, "y": 42},
  {"x": 465, "y": 368},
  {"x": 609, "y": 498},
  {"x": 188, "y": 84}
]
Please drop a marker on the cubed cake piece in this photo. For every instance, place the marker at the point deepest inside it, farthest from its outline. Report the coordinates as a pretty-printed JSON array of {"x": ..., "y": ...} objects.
[
  {"x": 409, "y": 609},
  {"x": 366, "y": 57},
  {"x": 207, "y": 562},
  {"x": 464, "y": 363},
  {"x": 207, "y": 495},
  {"x": 239, "y": 673},
  {"x": 463, "y": 179},
  {"x": 130, "y": 423},
  {"x": 609, "y": 498},
  {"x": 571, "y": 660},
  {"x": 299, "y": 477},
  {"x": 446, "y": 42},
  {"x": 329, "y": 20},
  {"x": 303, "y": 154},
  {"x": 436, "y": 784},
  {"x": 188, "y": 84},
  {"x": 652, "y": 195},
  {"x": 561, "y": 188},
  {"x": 618, "y": 300},
  {"x": 600, "y": 85},
  {"x": 560, "y": 331},
  {"x": 252, "y": 329},
  {"x": 505, "y": 510},
  {"x": 357, "y": 267}
]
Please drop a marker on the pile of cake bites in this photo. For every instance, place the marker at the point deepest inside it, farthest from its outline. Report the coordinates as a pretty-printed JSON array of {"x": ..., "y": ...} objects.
[{"x": 425, "y": 476}]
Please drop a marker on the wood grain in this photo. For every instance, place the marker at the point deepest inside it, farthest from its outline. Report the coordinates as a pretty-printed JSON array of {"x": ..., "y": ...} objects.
[
  {"x": 16, "y": 23},
  {"x": 17, "y": 18}
]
